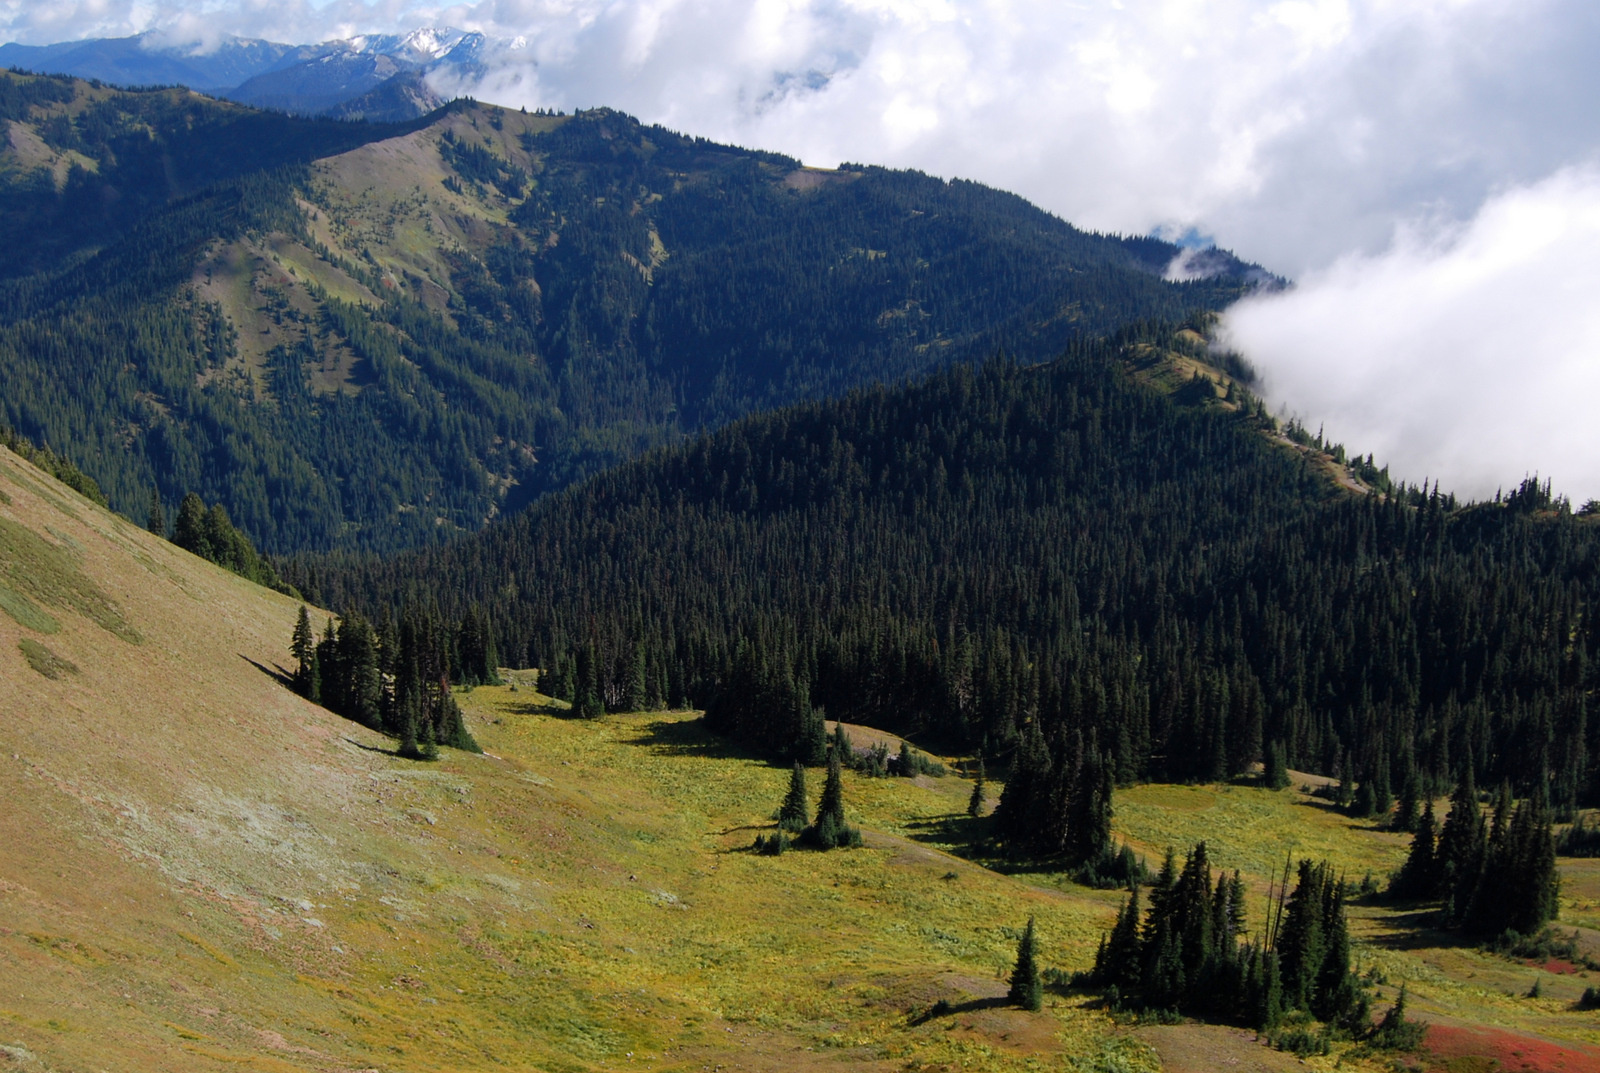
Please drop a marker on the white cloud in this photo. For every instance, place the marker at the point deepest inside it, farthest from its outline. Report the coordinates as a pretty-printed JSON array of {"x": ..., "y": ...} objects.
[
  {"x": 1294, "y": 130},
  {"x": 1469, "y": 353}
]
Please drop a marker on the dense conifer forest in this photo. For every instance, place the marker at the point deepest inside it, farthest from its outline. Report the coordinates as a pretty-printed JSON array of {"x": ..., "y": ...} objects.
[
  {"x": 1059, "y": 566},
  {"x": 620, "y": 287}
]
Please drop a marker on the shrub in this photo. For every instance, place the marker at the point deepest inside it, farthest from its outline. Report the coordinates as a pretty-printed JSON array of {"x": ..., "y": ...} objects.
[
  {"x": 1395, "y": 1032},
  {"x": 1302, "y": 1042},
  {"x": 772, "y": 846}
]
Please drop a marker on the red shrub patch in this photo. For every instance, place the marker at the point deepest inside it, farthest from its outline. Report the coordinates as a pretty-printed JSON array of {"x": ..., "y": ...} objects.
[
  {"x": 1515, "y": 1054},
  {"x": 1557, "y": 965}
]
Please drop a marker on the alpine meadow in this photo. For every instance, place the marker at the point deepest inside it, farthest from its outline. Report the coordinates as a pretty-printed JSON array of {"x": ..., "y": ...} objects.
[{"x": 538, "y": 590}]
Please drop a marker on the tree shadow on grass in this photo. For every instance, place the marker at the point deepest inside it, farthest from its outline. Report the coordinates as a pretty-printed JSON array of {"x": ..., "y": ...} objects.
[
  {"x": 276, "y": 673},
  {"x": 374, "y": 748},
  {"x": 548, "y": 708},
  {"x": 1415, "y": 926},
  {"x": 689, "y": 737},
  {"x": 944, "y": 1008},
  {"x": 968, "y": 838}
]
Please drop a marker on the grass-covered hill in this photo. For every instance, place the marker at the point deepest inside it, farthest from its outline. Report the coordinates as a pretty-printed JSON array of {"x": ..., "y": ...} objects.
[
  {"x": 201, "y": 871},
  {"x": 366, "y": 336},
  {"x": 1151, "y": 572}
]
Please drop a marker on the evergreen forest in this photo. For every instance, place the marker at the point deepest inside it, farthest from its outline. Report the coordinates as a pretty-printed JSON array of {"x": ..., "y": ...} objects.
[{"x": 1058, "y": 566}]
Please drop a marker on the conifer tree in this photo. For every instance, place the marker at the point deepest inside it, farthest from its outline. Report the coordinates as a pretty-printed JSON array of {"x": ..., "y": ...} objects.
[
  {"x": 156, "y": 517},
  {"x": 330, "y": 676},
  {"x": 361, "y": 687},
  {"x": 429, "y": 745},
  {"x": 1269, "y": 993},
  {"x": 410, "y": 719},
  {"x": 1339, "y": 997},
  {"x": 793, "y": 816},
  {"x": 1025, "y": 801},
  {"x": 638, "y": 687},
  {"x": 1462, "y": 846},
  {"x": 806, "y": 724},
  {"x": 979, "y": 790},
  {"x": 1365, "y": 803},
  {"x": 303, "y": 647},
  {"x": 1237, "y": 920},
  {"x": 1302, "y": 945},
  {"x": 189, "y": 532},
  {"x": 1419, "y": 876},
  {"x": 1408, "y": 815},
  {"x": 1118, "y": 964},
  {"x": 1027, "y": 991},
  {"x": 1396, "y": 1031},
  {"x": 586, "y": 703},
  {"x": 839, "y": 743},
  {"x": 829, "y": 830},
  {"x": 1274, "y": 767}
]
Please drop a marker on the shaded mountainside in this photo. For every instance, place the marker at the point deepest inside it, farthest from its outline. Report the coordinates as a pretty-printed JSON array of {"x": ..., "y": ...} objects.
[
  {"x": 362, "y": 336},
  {"x": 1153, "y": 576}
]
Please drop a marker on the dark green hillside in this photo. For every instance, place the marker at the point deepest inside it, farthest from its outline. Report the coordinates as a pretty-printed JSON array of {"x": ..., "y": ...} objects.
[
  {"x": 357, "y": 336},
  {"x": 1057, "y": 546}
]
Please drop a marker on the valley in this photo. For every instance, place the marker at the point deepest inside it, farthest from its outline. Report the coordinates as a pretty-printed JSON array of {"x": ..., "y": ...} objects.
[
  {"x": 203, "y": 871},
  {"x": 686, "y": 481}
]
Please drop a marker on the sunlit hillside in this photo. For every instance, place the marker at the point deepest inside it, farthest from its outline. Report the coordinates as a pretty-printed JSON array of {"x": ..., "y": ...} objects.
[{"x": 199, "y": 870}]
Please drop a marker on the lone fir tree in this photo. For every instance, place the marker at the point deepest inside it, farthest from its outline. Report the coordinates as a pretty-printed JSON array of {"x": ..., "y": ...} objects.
[
  {"x": 1026, "y": 989},
  {"x": 979, "y": 791}
]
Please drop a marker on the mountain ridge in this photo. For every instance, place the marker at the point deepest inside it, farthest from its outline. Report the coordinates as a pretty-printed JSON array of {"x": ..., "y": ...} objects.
[
  {"x": 483, "y": 305},
  {"x": 314, "y": 79}
]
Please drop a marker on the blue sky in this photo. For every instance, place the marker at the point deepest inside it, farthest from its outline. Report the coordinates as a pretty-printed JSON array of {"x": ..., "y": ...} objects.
[{"x": 1426, "y": 169}]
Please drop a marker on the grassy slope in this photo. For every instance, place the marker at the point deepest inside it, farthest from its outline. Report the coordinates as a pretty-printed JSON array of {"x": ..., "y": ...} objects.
[{"x": 200, "y": 871}]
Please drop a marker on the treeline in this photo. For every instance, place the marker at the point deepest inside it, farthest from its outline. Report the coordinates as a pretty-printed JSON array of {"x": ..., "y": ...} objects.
[
  {"x": 1060, "y": 547},
  {"x": 145, "y": 149},
  {"x": 59, "y": 467},
  {"x": 395, "y": 678},
  {"x": 210, "y": 534}
]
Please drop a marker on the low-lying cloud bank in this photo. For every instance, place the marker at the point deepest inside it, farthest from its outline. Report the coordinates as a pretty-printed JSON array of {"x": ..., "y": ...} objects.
[{"x": 1466, "y": 353}]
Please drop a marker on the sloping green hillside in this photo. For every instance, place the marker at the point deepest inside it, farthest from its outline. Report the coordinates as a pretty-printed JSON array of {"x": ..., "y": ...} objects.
[
  {"x": 363, "y": 336},
  {"x": 199, "y": 870}
]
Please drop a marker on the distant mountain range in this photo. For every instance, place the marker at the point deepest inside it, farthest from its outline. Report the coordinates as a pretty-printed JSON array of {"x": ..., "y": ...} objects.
[{"x": 379, "y": 77}]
